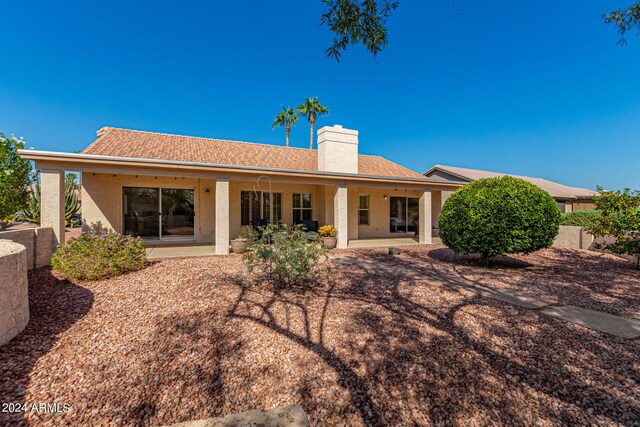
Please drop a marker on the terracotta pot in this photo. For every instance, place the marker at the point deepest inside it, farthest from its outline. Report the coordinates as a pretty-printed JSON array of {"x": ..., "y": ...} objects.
[
  {"x": 238, "y": 246},
  {"x": 330, "y": 242}
]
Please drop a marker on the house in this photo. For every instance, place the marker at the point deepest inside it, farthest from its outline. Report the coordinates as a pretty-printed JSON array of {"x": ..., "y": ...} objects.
[
  {"x": 569, "y": 198},
  {"x": 172, "y": 189}
]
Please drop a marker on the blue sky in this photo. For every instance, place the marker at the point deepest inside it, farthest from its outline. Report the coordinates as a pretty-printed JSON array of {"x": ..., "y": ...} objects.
[{"x": 529, "y": 87}]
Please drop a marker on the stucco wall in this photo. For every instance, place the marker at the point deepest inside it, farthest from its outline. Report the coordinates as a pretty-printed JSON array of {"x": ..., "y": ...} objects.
[
  {"x": 102, "y": 200},
  {"x": 38, "y": 243},
  {"x": 14, "y": 295},
  {"x": 378, "y": 210},
  {"x": 318, "y": 201},
  {"x": 583, "y": 205},
  {"x": 573, "y": 237}
]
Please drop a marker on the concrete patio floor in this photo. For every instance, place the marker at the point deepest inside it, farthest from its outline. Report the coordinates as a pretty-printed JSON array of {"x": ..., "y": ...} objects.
[
  {"x": 176, "y": 251},
  {"x": 387, "y": 241}
]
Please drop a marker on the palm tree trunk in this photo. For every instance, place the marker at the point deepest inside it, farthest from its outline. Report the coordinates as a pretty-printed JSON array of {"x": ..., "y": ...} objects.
[
  {"x": 288, "y": 129},
  {"x": 311, "y": 124}
]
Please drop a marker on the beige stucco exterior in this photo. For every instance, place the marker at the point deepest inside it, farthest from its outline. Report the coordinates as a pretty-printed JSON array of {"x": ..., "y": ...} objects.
[
  {"x": 335, "y": 188},
  {"x": 102, "y": 203},
  {"x": 102, "y": 200}
]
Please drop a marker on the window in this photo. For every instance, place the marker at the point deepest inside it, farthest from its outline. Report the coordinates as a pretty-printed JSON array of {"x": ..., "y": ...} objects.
[
  {"x": 255, "y": 206},
  {"x": 363, "y": 210},
  {"x": 563, "y": 206},
  {"x": 302, "y": 210}
]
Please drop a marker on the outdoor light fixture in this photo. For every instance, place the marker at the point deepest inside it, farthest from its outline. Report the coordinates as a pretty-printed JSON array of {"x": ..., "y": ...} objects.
[
  {"x": 385, "y": 197},
  {"x": 206, "y": 190}
]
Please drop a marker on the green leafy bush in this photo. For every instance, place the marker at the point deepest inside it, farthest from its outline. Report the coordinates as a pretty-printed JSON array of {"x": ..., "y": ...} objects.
[
  {"x": 620, "y": 219},
  {"x": 15, "y": 173},
  {"x": 497, "y": 216},
  {"x": 579, "y": 218},
  {"x": 97, "y": 256},
  {"x": 285, "y": 254}
]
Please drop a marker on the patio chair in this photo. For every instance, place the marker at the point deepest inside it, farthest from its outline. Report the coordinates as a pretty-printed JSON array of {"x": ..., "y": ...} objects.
[{"x": 310, "y": 228}]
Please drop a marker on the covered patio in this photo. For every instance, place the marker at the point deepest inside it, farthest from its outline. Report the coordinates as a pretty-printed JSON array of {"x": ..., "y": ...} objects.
[{"x": 149, "y": 185}]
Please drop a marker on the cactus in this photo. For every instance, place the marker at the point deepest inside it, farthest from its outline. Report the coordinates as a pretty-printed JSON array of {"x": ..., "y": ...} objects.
[{"x": 31, "y": 212}]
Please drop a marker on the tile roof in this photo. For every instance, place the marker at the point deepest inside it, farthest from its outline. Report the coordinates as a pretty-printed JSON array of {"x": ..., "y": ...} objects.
[
  {"x": 553, "y": 188},
  {"x": 119, "y": 142}
]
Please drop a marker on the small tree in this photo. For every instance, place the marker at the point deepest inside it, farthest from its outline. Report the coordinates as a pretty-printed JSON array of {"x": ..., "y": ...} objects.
[
  {"x": 497, "y": 216},
  {"x": 620, "y": 219},
  {"x": 15, "y": 175}
]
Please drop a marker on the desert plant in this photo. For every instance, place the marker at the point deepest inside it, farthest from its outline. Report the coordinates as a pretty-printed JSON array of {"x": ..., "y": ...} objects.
[
  {"x": 328, "y": 231},
  {"x": 31, "y": 211},
  {"x": 579, "y": 218},
  {"x": 98, "y": 256},
  {"x": 285, "y": 255},
  {"x": 620, "y": 219},
  {"x": 497, "y": 216}
]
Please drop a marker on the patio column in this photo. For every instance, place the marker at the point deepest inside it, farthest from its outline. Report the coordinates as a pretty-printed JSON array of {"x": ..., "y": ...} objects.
[
  {"x": 340, "y": 215},
  {"x": 222, "y": 216},
  {"x": 424, "y": 226},
  {"x": 52, "y": 203}
]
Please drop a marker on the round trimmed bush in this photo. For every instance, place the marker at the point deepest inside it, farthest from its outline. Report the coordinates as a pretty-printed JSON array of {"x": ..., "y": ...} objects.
[
  {"x": 98, "y": 256},
  {"x": 497, "y": 216}
]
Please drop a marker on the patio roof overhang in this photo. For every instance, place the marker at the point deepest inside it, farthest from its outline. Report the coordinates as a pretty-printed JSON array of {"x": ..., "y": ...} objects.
[{"x": 92, "y": 163}]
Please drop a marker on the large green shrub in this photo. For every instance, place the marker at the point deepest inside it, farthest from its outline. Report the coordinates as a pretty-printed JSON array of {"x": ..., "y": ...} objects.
[
  {"x": 15, "y": 174},
  {"x": 620, "y": 219},
  {"x": 582, "y": 219},
  {"x": 97, "y": 256},
  {"x": 497, "y": 216},
  {"x": 285, "y": 254}
]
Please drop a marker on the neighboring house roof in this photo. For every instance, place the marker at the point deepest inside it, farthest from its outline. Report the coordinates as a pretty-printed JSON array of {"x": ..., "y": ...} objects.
[
  {"x": 558, "y": 191},
  {"x": 119, "y": 142}
]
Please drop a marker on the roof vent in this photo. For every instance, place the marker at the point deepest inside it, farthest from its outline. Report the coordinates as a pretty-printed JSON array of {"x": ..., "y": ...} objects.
[{"x": 102, "y": 131}]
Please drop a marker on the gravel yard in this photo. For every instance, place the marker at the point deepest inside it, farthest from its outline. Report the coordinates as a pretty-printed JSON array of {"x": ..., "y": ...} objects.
[{"x": 185, "y": 339}]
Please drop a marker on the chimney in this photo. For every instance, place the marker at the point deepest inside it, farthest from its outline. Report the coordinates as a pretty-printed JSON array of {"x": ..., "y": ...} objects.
[{"x": 337, "y": 149}]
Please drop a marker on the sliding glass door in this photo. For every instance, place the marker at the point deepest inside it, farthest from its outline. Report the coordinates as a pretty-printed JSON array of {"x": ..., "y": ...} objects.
[
  {"x": 404, "y": 214},
  {"x": 141, "y": 208},
  {"x": 158, "y": 214},
  {"x": 178, "y": 214}
]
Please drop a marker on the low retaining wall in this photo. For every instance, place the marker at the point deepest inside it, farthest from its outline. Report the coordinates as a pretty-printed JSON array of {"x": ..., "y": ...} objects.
[
  {"x": 14, "y": 295},
  {"x": 573, "y": 237},
  {"x": 37, "y": 241}
]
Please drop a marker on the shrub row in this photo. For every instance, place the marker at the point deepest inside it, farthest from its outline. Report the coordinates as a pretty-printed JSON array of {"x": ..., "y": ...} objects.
[{"x": 579, "y": 218}]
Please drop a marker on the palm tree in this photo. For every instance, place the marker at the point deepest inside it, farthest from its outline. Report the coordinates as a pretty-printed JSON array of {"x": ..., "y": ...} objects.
[
  {"x": 286, "y": 117},
  {"x": 312, "y": 109}
]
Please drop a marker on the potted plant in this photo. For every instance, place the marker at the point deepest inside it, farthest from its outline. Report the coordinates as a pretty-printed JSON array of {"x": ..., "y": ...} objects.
[
  {"x": 239, "y": 244},
  {"x": 328, "y": 233}
]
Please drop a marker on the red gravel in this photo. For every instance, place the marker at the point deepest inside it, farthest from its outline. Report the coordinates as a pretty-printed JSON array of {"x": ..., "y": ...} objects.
[
  {"x": 587, "y": 279},
  {"x": 183, "y": 340}
]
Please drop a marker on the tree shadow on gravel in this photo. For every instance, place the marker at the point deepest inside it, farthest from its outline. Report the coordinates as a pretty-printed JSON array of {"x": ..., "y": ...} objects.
[
  {"x": 417, "y": 350},
  {"x": 255, "y": 307},
  {"x": 587, "y": 279},
  {"x": 501, "y": 261},
  {"x": 552, "y": 359},
  {"x": 54, "y": 306},
  {"x": 189, "y": 365}
]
